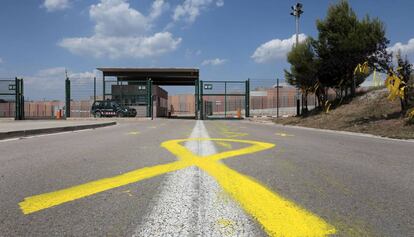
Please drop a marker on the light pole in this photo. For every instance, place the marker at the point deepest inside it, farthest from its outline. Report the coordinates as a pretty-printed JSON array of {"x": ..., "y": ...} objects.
[{"x": 296, "y": 12}]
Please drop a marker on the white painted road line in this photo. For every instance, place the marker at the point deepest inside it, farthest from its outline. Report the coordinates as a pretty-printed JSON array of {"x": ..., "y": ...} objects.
[{"x": 191, "y": 203}]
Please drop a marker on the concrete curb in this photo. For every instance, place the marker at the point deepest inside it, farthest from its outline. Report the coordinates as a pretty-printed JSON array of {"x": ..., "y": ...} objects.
[{"x": 31, "y": 132}]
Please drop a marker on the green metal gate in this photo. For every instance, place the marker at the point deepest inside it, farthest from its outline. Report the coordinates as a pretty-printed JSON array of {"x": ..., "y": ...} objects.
[
  {"x": 224, "y": 99},
  {"x": 137, "y": 94},
  {"x": 12, "y": 98}
]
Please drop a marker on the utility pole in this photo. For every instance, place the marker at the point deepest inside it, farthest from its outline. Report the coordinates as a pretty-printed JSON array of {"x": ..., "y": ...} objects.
[{"x": 296, "y": 12}]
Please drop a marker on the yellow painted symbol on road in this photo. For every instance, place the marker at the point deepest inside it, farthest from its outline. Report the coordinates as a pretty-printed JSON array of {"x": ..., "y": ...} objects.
[
  {"x": 284, "y": 134},
  {"x": 225, "y": 144},
  {"x": 277, "y": 215},
  {"x": 128, "y": 192},
  {"x": 230, "y": 134},
  {"x": 226, "y": 227},
  {"x": 133, "y": 133}
]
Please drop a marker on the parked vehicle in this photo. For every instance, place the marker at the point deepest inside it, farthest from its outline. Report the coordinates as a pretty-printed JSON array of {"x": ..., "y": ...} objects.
[{"x": 110, "y": 108}]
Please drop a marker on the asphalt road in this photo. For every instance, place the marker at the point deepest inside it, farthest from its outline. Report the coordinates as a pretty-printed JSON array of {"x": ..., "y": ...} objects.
[{"x": 280, "y": 181}]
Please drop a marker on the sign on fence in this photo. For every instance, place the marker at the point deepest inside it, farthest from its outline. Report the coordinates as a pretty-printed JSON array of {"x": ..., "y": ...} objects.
[
  {"x": 208, "y": 86},
  {"x": 258, "y": 93}
]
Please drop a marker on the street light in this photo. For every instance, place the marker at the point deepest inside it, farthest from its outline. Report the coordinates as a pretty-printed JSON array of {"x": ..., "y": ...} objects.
[{"x": 296, "y": 12}]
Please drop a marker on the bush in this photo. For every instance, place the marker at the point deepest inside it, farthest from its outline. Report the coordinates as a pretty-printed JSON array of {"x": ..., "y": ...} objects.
[{"x": 410, "y": 119}]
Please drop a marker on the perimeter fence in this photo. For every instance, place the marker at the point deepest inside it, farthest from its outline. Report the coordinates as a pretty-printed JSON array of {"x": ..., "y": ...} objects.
[{"x": 275, "y": 97}]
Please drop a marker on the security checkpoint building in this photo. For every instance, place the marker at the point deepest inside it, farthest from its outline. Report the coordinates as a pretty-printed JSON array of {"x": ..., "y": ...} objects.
[{"x": 140, "y": 87}]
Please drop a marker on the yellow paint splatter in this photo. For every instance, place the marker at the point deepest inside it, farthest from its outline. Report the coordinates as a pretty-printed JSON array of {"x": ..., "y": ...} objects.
[
  {"x": 133, "y": 133},
  {"x": 226, "y": 227},
  {"x": 128, "y": 192},
  {"x": 284, "y": 134},
  {"x": 235, "y": 134}
]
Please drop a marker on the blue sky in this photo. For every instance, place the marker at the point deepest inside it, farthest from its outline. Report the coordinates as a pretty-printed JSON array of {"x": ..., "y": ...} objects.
[{"x": 226, "y": 39}]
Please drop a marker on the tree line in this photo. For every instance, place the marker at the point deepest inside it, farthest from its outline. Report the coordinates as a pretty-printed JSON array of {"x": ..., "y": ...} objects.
[{"x": 346, "y": 51}]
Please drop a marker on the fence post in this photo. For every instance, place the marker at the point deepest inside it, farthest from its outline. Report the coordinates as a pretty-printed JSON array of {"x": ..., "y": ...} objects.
[
  {"x": 67, "y": 97},
  {"x": 196, "y": 99},
  {"x": 277, "y": 95},
  {"x": 149, "y": 97},
  {"x": 225, "y": 99},
  {"x": 19, "y": 106},
  {"x": 201, "y": 101},
  {"x": 17, "y": 99},
  {"x": 94, "y": 89},
  {"x": 103, "y": 87},
  {"x": 22, "y": 99},
  {"x": 247, "y": 99}
]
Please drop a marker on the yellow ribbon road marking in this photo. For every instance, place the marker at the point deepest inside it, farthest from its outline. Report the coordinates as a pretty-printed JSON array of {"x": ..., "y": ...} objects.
[
  {"x": 278, "y": 216},
  {"x": 133, "y": 133},
  {"x": 225, "y": 144},
  {"x": 234, "y": 134},
  {"x": 43, "y": 201},
  {"x": 284, "y": 134}
]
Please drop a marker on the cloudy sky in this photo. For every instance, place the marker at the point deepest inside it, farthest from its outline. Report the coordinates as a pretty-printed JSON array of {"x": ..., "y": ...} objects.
[{"x": 226, "y": 39}]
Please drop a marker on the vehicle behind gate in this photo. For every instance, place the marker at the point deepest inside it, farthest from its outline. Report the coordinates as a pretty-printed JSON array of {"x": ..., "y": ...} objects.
[{"x": 109, "y": 108}]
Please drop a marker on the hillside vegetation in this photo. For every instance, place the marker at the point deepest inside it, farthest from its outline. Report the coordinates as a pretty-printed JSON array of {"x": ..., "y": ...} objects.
[{"x": 370, "y": 112}]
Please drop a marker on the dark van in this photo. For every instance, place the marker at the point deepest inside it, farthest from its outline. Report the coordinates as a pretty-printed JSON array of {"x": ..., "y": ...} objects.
[{"x": 110, "y": 108}]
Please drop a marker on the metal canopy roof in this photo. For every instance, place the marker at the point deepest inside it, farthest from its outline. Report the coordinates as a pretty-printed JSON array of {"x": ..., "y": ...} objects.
[{"x": 159, "y": 76}]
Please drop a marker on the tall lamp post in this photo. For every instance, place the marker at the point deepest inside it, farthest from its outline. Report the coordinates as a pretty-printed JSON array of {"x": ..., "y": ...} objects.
[{"x": 296, "y": 12}]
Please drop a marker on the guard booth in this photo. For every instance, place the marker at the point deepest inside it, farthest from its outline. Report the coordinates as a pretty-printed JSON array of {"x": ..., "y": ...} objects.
[
  {"x": 224, "y": 99},
  {"x": 12, "y": 98},
  {"x": 140, "y": 87}
]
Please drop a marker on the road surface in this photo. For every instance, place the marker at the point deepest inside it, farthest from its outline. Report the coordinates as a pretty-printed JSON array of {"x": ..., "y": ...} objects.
[{"x": 211, "y": 178}]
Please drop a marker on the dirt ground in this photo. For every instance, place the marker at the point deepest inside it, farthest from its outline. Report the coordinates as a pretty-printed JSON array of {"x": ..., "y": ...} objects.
[{"x": 370, "y": 113}]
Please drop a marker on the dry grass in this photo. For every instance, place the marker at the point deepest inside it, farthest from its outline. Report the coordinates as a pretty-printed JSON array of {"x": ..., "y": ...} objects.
[{"x": 369, "y": 113}]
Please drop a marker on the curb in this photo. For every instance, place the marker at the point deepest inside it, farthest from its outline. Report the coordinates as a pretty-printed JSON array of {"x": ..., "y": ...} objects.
[{"x": 31, "y": 132}]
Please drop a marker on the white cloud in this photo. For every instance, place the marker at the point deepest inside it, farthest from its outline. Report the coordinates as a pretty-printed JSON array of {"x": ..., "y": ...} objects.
[
  {"x": 1, "y": 60},
  {"x": 49, "y": 83},
  {"x": 405, "y": 48},
  {"x": 58, "y": 74},
  {"x": 52, "y": 72},
  {"x": 55, "y": 5},
  {"x": 121, "y": 32},
  {"x": 158, "y": 7},
  {"x": 214, "y": 62},
  {"x": 190, "y": 54},
  {"x": 118, "y": 47},
  {"x": 191, "y": 9},
  {"x": 275, "y": 49},
  {"x": 117, "y": 18}
]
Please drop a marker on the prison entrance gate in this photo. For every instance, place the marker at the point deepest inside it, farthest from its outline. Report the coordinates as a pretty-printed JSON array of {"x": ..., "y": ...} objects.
[
  {"x": 141, "y": 87},
  {"x": 224, "y": 99},
  {"x": 11, "y": 98}
]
